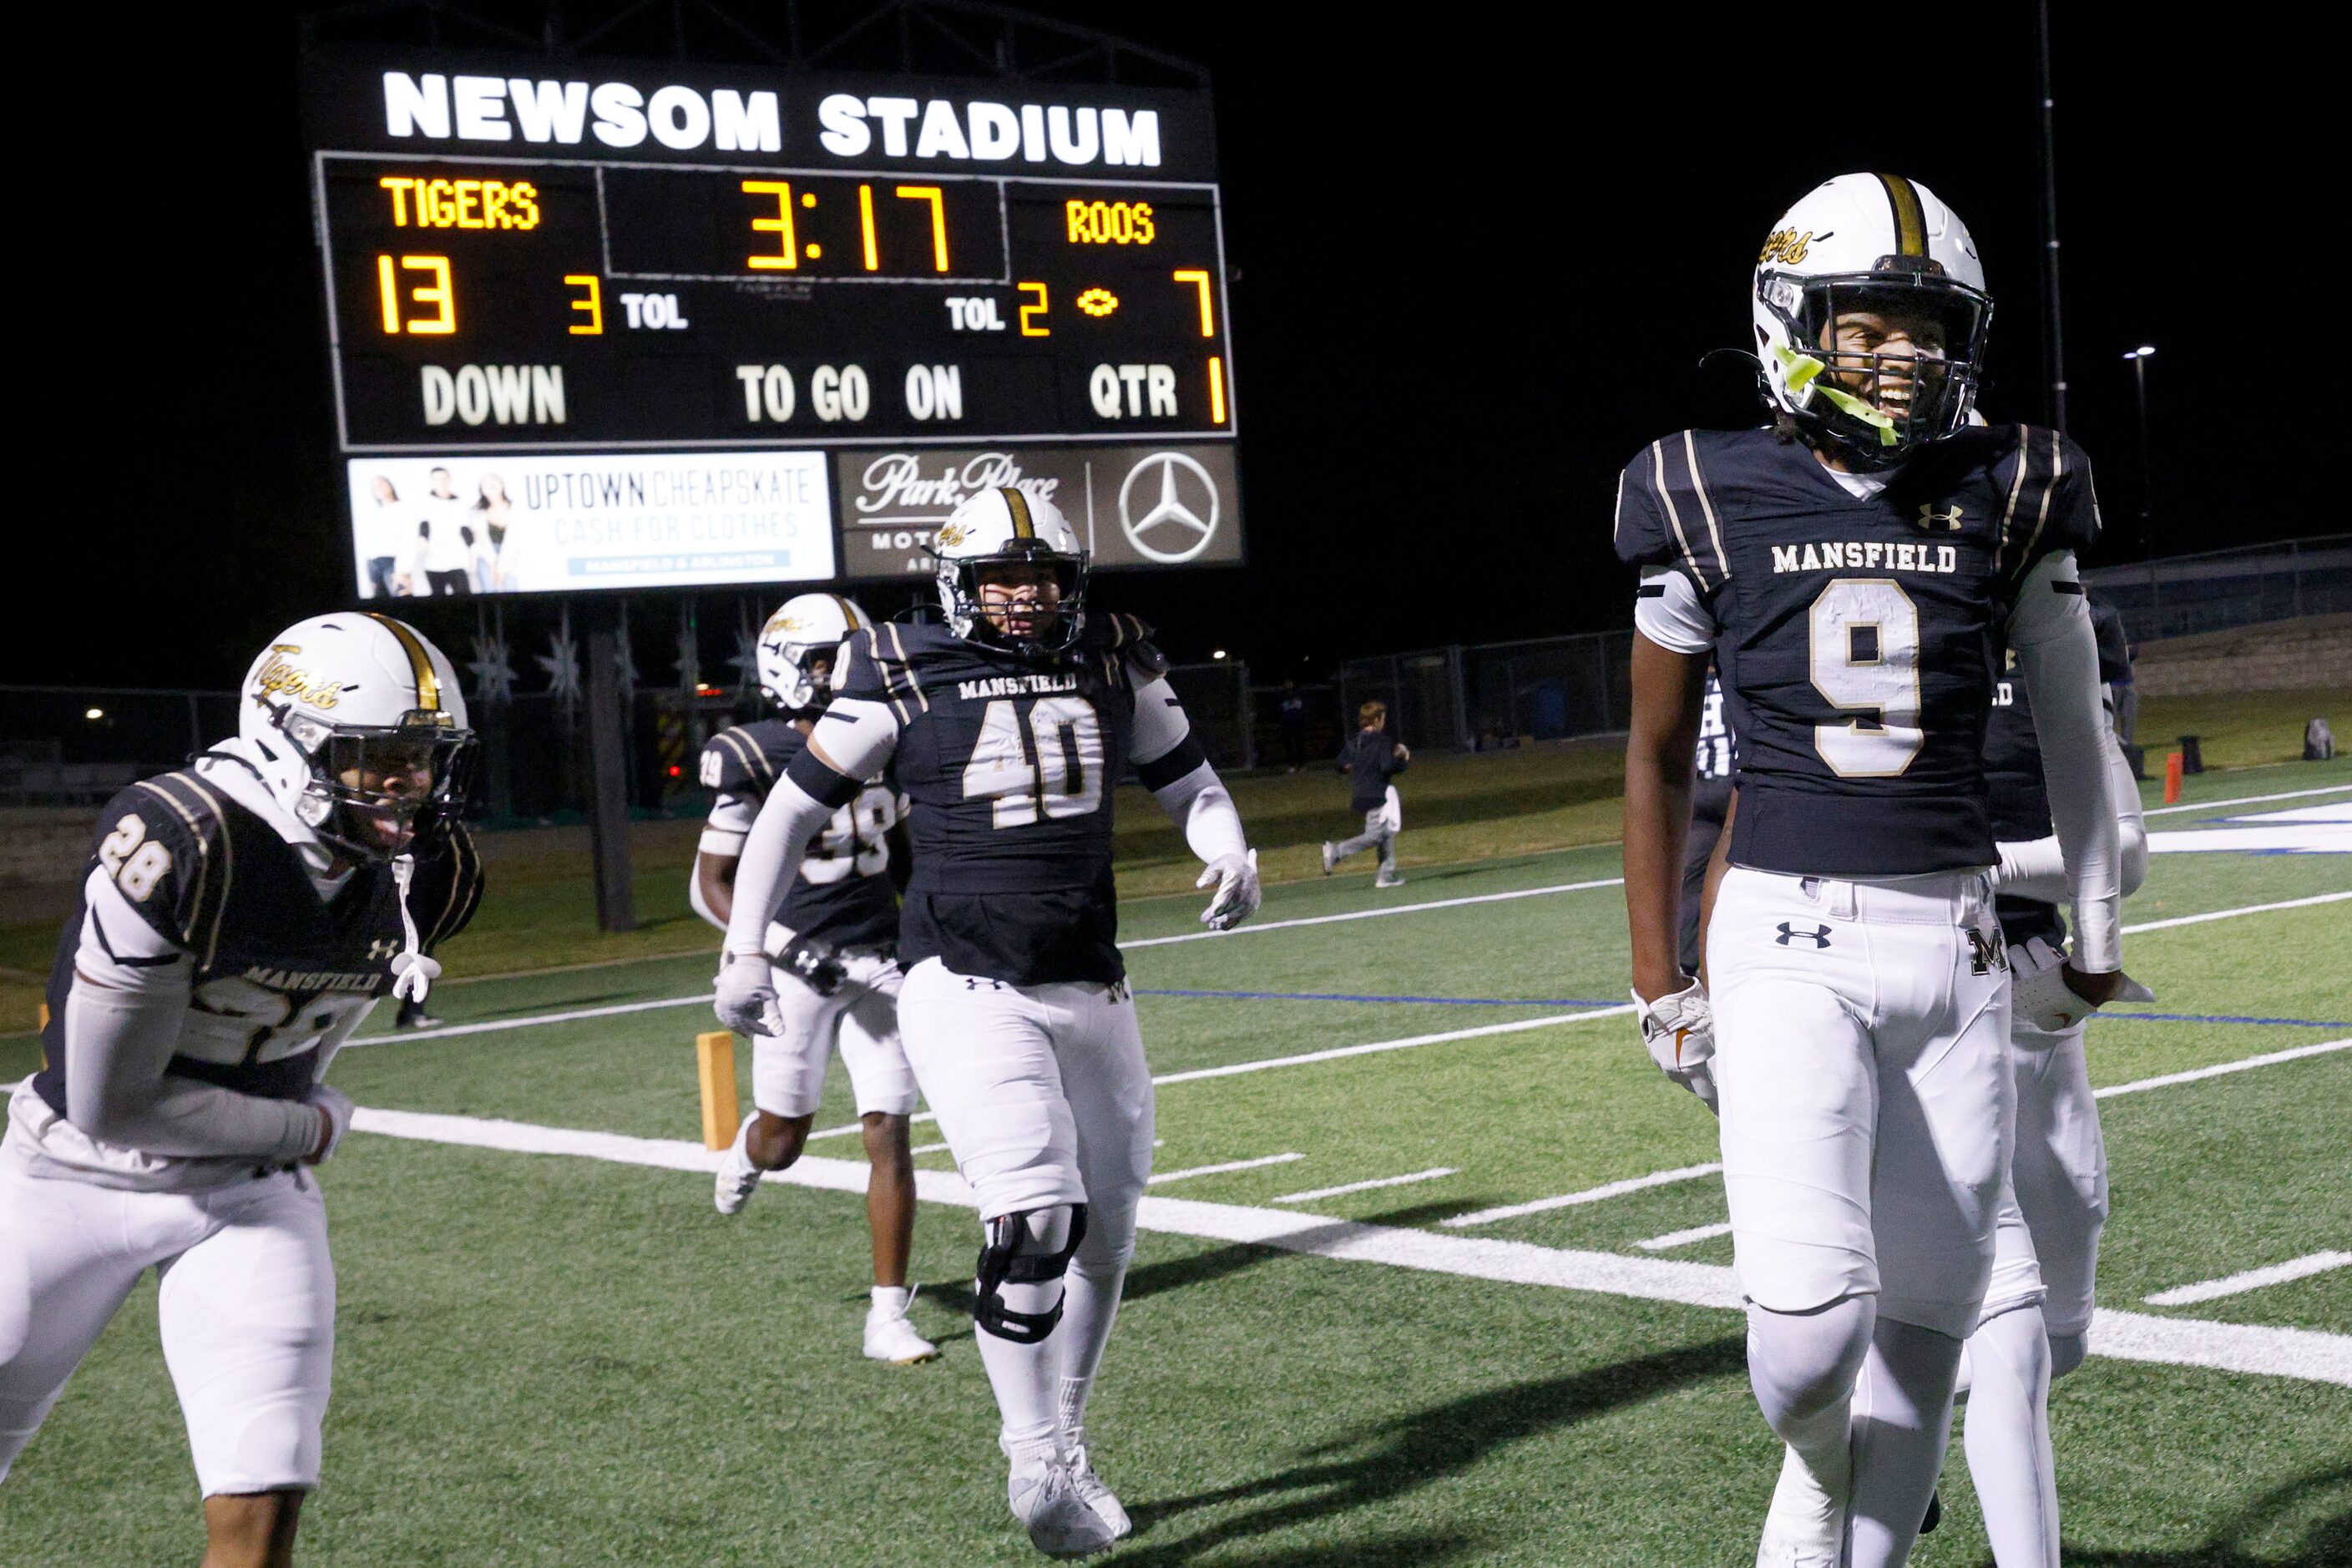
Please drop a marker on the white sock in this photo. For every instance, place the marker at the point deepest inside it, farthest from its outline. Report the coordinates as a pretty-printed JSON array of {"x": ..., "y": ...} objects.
[
  {"x": 1902, "y": 1419},
  {"x": 890, "y": 1300},
  {"x": 1023, "y": 1377},
  {"x": 2007, "y": 1439},
  {"x": 1802, "y": 1367},
  {"x": 1089, "y": 1309}
]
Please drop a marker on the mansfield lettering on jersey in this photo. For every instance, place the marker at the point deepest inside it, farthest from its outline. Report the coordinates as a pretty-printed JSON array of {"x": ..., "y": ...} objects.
[
  {"x": 1015, "y": 685},
  {"x": 1866, "y": 555}
]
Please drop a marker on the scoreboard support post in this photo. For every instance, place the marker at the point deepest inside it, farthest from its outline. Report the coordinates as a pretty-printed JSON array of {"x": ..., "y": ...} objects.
[{"x": 608, "y": 787}]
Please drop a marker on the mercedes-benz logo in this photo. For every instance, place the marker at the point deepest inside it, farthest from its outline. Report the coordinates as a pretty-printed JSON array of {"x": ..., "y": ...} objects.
[{"x": 1168, "y": 512}]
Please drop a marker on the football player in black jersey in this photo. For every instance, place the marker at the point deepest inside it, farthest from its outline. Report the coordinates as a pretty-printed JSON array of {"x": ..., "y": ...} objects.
[
  {"x": 835, "y": 952},
  {"x": 1852, "y": 567},
  {"x": 1711, "y": 766},
  {"x": 2037, "y": 1310},
  {"x": 237, "y": 919},
  {"x": 1008, "y": 726}
]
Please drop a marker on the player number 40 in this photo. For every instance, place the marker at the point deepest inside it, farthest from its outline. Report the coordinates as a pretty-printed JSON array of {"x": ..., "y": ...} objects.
[
  {"x": 1865, "y": 654},
  {"x": 1051, "y": 756}
]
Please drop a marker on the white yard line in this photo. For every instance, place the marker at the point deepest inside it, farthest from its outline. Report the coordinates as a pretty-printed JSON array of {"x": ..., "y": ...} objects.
[
  {"x": 1589, "y": 1195},
  {"x": 2244, "y": 800},
  {"x": 1432, "y": 1173},
  {"x": 2252, "y": 1279},
  {"x": 927, "y": 1149},
  {"x": 1675, "y": 1238},
  {"x": 1376, "y": 915},
  {"x": 1409, "y": 1042},
  {"x": 2231, "y": 914},
  {"x": 1158, "y": 1177},
  {"x": 2181, "y": 1341},
  {"x": 2218, "y": 1070},
  {"x": 448, "y": 1031}
]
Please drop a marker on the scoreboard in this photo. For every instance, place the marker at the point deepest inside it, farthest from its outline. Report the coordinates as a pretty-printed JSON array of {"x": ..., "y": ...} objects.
[{"x": 668, "y": 325}]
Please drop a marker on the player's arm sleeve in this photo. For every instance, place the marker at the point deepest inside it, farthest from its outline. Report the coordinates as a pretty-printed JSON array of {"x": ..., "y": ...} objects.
[
  {"x": 123, "y": 1015},
  {"x": 1667, "y": 610},
  {"x": 1170, "y": 763},
  {"x": 2036, "y": 868},
  {"x": 2049, "y": 629},
  {"x": 853, "y": 743}
]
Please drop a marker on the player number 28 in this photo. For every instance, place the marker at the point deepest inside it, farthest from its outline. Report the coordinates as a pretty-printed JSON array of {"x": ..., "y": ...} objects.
[
  {"x": 133, "y": 865},
  {"x": 1057, "y": 763},
  {"x": 1865, "y": 654}
]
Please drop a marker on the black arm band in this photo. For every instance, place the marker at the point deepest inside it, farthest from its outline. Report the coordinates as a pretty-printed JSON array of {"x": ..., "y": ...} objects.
[
  {"x": 816, "y": 776},
  {"x": 1180, "y": 759}
]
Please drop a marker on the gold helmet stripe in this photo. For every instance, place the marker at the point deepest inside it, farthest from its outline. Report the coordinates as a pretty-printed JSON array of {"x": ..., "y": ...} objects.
[
  {"x": 1018, "y": 504},
  {"x": 1910, "y": 222},
  {"x": 428, "y": 684},
  {"x": 848, "y": 613}
]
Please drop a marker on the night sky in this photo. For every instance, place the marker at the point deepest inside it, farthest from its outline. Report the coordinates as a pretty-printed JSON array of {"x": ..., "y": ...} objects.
[{"x": 1478, "y": 260}]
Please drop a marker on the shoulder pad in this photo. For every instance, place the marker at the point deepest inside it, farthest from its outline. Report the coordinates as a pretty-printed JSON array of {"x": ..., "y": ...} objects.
[
  {"x": 1665, "y": 512},
  {"x": 735, "y": 762},
  {"x": 2049, "y": 502},
  {"x": 165, "y": 843},
  {"x": 890, "y": 662}
]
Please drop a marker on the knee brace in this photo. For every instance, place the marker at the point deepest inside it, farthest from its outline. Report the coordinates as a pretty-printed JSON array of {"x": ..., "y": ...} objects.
[{"x": 1013, "y": 1255}]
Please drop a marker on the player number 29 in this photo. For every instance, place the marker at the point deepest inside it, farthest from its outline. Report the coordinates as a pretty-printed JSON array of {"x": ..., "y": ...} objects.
[
  {"x": 1060, "y": 766},
  {"x": 1865, "y": 654}
]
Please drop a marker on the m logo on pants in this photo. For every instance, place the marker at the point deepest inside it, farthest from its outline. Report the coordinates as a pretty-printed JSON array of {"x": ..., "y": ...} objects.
[{"x": 1820, "y": 938}]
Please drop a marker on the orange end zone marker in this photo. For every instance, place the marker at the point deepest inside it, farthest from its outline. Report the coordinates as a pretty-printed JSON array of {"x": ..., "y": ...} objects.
[
  {"x": 714, "y": 1062},
  {"x": 2172, "y": 779}
]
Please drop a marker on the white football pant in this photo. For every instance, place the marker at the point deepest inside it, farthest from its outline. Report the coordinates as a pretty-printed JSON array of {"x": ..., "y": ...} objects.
[
  {"x": 2047, "y": 1247},
  {"x": 247, "y": 1305},
  {"x": 1042, "y": 1093},
  {"x": 862, "y": 1017},
  {"x": 1861, "y": 1041}
]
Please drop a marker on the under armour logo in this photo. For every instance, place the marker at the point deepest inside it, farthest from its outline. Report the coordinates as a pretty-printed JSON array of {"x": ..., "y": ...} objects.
[
  {"x": 1820, "y": 938},
  {"x": 381, "y": 949},
  {"x": 1986, "y": 953},
  {"x": 1931, "y": 520}
]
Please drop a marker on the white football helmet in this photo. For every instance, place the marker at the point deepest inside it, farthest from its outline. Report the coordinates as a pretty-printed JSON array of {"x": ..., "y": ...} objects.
[
  {"x": 1008, "y": 530},
  {"x": 1870, "y": 242},
  {"x": 356, "y": 724},
  {"x": 802, "y": 628}
]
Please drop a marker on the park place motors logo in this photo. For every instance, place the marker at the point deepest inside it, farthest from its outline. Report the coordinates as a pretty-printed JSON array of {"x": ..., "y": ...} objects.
[{"x": 1168, "y": 508}]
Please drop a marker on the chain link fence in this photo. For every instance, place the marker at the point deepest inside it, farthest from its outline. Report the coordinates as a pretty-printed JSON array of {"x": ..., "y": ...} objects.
[
  {"x": 2219, "y": 589},
  {"x": 1482, "y": 696}
]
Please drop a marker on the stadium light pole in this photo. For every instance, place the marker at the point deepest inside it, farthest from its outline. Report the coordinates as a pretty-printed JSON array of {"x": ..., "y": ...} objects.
[
  {"x": 2055, "y": 339},
  {"x": 2140, "y": 358}
]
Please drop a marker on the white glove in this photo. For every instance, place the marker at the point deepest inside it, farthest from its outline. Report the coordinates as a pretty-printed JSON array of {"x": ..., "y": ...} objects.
[
  {"x": 746, "y": 1001},
  {"x": 1237, "y": 895},
  {"x": 2044, "y": 1000},
  {"x": 1678, "y": 1029},
  {"x": 338, "y": 1107}
]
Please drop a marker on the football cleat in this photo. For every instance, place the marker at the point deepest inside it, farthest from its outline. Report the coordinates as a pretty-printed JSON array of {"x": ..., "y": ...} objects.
[
  {"x": 1060, "y": 1522},
  {"x": 1388, "y": 879},
  {"x": 890, "y": 1337},
  {"x": 738, "y": 1178},
  {"x": 1100, "y": 1498},
  {"x": 1329, "y": 859}
]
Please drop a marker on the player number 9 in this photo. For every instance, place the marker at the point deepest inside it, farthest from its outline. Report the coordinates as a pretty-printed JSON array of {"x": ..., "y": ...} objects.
[{"x": 1865, "y": 654}]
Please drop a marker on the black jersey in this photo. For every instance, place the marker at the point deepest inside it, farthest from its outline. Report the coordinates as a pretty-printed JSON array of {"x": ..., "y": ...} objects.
[
  {"x": 1009, "y": 765},
  {"x": 1372, "y": 761},
  {"x": 844, "y": 895},
  {"x": 275, "y": 968},
  {"x": 1718, "y": 753},
  {"x": 1856, "y": 635}
]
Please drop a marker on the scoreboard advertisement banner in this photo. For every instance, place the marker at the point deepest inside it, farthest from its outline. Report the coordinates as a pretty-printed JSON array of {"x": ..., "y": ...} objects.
[{"x": 672, "y": 277}]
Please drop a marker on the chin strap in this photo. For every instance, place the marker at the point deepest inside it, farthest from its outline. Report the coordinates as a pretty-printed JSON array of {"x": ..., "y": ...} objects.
[
  {"x": 1799, "y": 371},
  {"x": 413, "y": 973}
]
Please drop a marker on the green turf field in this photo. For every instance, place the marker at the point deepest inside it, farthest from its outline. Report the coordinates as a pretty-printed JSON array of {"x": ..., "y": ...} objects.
[{"x": 561, "y": 1358}]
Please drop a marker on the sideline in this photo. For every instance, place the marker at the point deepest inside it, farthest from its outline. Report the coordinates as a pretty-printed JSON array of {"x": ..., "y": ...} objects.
[
  {"x": 2243, "y": 800},
  {"x": 2306, "y": 1354}
]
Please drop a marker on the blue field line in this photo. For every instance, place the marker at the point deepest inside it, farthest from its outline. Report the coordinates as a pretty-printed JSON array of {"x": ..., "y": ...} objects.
[
  {"x": 1429, "y": 1001},
  {"x": 2219, "y": 1018}
]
